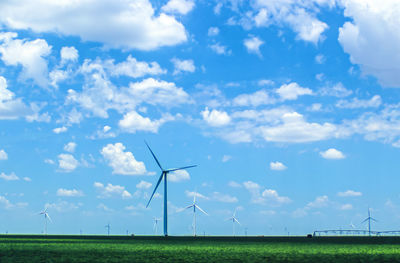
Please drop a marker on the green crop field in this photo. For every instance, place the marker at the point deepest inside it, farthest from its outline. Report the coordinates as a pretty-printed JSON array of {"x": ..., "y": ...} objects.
[{"x": 201, "y": 249}]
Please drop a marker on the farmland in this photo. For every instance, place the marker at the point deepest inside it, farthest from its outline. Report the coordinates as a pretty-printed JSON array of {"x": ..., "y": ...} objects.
[{"x": 20, "y": 248}]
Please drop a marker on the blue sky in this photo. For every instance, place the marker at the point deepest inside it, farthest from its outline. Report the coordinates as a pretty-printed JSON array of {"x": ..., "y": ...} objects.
[{"x": 289, "y": 108}]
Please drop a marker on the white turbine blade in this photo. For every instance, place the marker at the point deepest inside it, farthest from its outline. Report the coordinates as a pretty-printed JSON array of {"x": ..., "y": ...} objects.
[
  {"x": 47, "y": 216},
  {"x": 373, "y": 219},
  {"x": 190, "y": 206},
  {"x": 155, "y": 188},
  {"x": 234, "y": 212},
  {"x": 237, "y": 221},
  {"x": 154, "y": 156},
  {"x": 182, "y": 168},
  {"x": 365, "y": 220},
  {"x": 198, "y": 207}
]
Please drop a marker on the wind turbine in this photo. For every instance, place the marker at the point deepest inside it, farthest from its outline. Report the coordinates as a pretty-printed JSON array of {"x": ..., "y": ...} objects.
[
  {"x": 369, "y": 218},
  {"x": 234, "y": 219},
  {"x": 108, "y": 228},
  {"x": 46, "y": 217},
  {"x": 194, "y": 205},
  {"x": 155, "y": 225},
  {"x": 164, "y": 174}
]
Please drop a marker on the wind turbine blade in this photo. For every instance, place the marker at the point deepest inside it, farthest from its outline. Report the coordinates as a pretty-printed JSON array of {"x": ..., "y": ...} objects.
[
  {"x": 158, "y": 183},
  {"x": 155, "y": 158},
  {"x": 190, "y": 206},
  {"x": 373, "y": 219},
  {"x": 234, "y": 213},
  {"x": 229, "y": 219},
  {"x": 47, "y": 215},
  {"x": 237, "y": 221},
  {"x": 365, "y": 220},
  {"x": 198, "y": 207},
  {"x": 182, "y": 168}
]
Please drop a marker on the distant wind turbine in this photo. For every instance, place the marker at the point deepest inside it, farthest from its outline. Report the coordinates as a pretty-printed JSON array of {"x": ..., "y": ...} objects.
[
  {"x": 369, "y": 218},
  {"x": 155, "y": 225},
  {"x": 46, "y": 217},
  {"x": 108, "y": 228},
  {"x": 194, "y": 205},
  {"x": 234, "y": 220},
  {"x": 164, "y": 174}
]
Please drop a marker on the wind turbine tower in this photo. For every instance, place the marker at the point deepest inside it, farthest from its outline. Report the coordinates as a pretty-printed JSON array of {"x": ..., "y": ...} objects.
[
  {"x": 234, "y": 220},
  {"x": 369, "y": 218},
  {"x": 155, "y": 225},
  {"x": 46, "y": 217},
  {"x": 195, "y": 206},
  {"x": 164, "y": 175},
  {"x": 108, "y": 228}
]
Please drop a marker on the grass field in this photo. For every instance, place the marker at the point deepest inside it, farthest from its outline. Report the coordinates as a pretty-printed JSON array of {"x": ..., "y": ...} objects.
[{"x": 19, "y": 248}]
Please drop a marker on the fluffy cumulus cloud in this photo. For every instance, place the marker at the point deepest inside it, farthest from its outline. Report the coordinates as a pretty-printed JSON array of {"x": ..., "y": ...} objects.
[
  {"x": 253, "y": 45},
  {"x": 3, "y": 155},
  {"x": 69, "y": 193},
  {"x": 374, "y": 102},
  {"x": 178, "y": 176},
  {"x": 220, "y": 49},
  {"x": 332, "y": 154},
  {"x": 133, "y": 122},
  {"x": 137, "y": 26},
  {"x": 183, "y": 65},
  {"x": 9, "y": 177},
  {"x": 109, "y": 190},
  {"x": 373, "y": 24},
  {"x": 178, "y": 6},
  {"x": 255, "y": 99},
  {"x": 133, "y": 68},
  {"x": 277, "y": 166},
  {"x": 215, "y": 118},
  {"x": 268, "y": 196},
  {"x": 31, "y": 55},
  {"x": 143, "y": 185},
  {"x": 349, "y": 193},
  {"x": 70, "y": 147},
  {"x": 67, "y": 162},
  {"x": 10, "y": 107},
  {"x": 224, "y": 198},
  {"x": 122, "y": 162},
  {"x": 69, "y": 54},
  {"x": 213, "y": 31},
  {"x": 196, "y": 194},
  {"x": 292, "y": 91}
]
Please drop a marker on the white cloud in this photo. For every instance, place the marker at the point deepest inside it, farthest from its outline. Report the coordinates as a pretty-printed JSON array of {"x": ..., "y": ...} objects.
[
  {"x": 224, "y": 198},
  {"x": 137, "y": 25},
  {"x": 29, "y": 54},
  {"x": 234, "y": 184},
  {"x": 69, "y": 54},
  {"x": 104, "y": 208},
  {"x": 143, "y": 185},
  {"x": 253, "y": 44},
  {"x": 292, "y": 91},
  {"x": 273, "y": 198},
  {"x": 63, "y": 206},
  {"x": 319, "y": 202},
  {"x": 349, "y": 193},
  {"x": 374, "y": 102},
  {"x": 183, "y": 65},
  {"x": 332, "y": 154},
  {"x": 255, "y": 99},
  {"x": 3, "y": 155},
  {"x": 295, "y": 129},
  {"x": 215, "y": 118},
  {"x": 133, "y": 68},
  {"x": 346, "y": 207},
  {"x": 337, "y": 90},
  {"x": 60, "y": 130},
  {"x": 226, "y": 158},
  {"x": 277, "y": 166},
  {"x": 220, "y": 49},
  {"x": 9, "y": 177},
  {"x": 373, "y": 24},
  {"x": 198, "y": 195},
  {"x": 27, "y": 179},
  {"x": 67, "y": 162},
  {"x": 110, "y": 190},
  {"x": 10, "y": 107},
  {"x": 5, "y": 202},
  {"x": 70, "y": 147},
  {"x": 122, "y": 162},
  {"x": 320, "y": 59},
  {"x": 213, "y": 31},
  {"x": 69, "y": 193},
  {"x": 265, "y": 82},
  {"x": 178, "y": 6},
  {"x": 178, "y": 176},
  {"x": 268, "y": 196},
  {"x": 133, "y": 122}
]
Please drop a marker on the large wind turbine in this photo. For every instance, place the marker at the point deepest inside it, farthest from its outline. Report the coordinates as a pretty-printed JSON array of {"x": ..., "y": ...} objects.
[
  {"x": 194, "y": 205},
  {"x": 164, "y": 174},
  {"x": 369, "y": 218},
  {"x": 46, "y": 217},
  {"x": 234, "y": 220}
]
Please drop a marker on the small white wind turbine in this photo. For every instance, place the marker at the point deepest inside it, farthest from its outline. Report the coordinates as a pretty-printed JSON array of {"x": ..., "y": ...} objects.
[
  {"x": 195, "y": 206},
  {"x": 234, "y": 220},
  {"x": 46, "y": 217},
  {"x": 155, "y": 225}
]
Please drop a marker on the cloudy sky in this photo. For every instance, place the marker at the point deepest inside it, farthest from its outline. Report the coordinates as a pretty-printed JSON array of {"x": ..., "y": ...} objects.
[{"x": 289, "y": 108}]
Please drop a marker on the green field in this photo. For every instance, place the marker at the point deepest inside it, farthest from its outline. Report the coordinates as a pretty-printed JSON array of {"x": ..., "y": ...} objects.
[{"x": 19, "y": 248}]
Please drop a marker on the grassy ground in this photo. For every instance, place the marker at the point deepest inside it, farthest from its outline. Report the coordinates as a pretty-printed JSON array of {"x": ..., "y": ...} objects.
[{"x": 201, "y": 249}]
